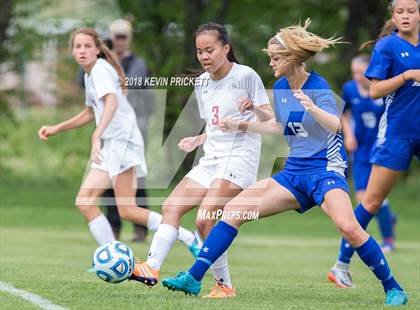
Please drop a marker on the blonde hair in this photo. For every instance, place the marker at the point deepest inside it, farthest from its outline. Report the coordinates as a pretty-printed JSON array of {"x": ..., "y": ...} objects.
[
  {"x": 104, "y": 51},
  {"x": 296, "y": 44}
]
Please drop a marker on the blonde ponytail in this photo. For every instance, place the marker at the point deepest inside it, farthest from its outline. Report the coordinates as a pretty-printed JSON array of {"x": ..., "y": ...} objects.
[{"x": 296, "y": 44}]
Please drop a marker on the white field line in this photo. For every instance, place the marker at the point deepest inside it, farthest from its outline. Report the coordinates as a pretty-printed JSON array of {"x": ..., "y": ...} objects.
[{"x": 32, "y": 298}]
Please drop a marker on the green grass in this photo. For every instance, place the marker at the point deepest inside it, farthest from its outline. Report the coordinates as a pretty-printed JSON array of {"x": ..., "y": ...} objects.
[{"x": 280, "y": 262}]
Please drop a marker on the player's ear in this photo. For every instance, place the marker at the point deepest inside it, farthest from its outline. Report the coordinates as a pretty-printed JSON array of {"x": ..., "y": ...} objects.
[
  {"x": 393, "y": 19},
  {"x": 226, "y": 49}
]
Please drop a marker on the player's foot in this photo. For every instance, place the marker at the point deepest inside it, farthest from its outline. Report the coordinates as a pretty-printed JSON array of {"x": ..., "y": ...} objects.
[
  {"x": 221, "y": 291},
  {"x": 396, "y": 298},
  {"x": 387, "y": 247},
  {"x": 195, "y": 247},
  {"x": 145, "y": 274},
  {"x": 183, "y": 282},
  {"x": 341, "y": 277}
]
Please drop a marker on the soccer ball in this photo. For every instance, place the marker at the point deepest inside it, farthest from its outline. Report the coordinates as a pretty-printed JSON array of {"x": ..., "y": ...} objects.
[{"x": 113, "y": 262}]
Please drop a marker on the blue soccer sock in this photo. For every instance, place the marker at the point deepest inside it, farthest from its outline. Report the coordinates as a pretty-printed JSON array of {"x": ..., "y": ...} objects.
[
  {"x": 371, "y": 254},
  {"x": 217, "y": 242},
  {"x": 346, "y": 250},
  {"x": 384, "y": 218}
]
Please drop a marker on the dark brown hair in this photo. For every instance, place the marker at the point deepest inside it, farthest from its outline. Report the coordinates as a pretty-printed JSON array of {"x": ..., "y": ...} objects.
[{"x": 222, "y": 36}]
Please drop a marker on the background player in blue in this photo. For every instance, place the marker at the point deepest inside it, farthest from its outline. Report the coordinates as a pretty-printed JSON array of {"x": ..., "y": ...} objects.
[
  {"x": 394, "y": 71},
  {"x": 360, "y": 128},
  {"x": 307, "y": 114}
]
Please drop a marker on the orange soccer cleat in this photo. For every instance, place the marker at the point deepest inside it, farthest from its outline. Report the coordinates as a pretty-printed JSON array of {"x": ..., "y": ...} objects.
[
  {"x": 221, "y": 291},
  {"x": 145, "y": 274}
]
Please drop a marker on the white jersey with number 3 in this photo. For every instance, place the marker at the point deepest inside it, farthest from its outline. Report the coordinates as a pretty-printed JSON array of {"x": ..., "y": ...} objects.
[{"x": 218, "y": 99}]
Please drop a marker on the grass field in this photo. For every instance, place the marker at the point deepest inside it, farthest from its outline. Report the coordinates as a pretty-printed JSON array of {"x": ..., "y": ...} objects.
[{"x": 280, "y": 262}]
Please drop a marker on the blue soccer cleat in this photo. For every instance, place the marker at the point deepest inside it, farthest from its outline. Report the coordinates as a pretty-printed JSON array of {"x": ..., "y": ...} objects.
[
  {"x": 396, "y": 298},
  {"x": 195, "y": 247},
  {"x": 183, "y": 282}
]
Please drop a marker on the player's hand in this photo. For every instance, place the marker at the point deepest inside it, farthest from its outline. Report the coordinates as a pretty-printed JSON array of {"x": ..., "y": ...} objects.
[
  {"x": 228, "y": 125},
  {"x": 95, "y": 154},
  {"x": 189, "y": 144},
  {"x": 350, "y": 143},
  {"x": 245, "y": 104},
  {"x": 45, "y": 131},
  {"x": 412, "y": 74},
  {"x": 307, "y": 103}
]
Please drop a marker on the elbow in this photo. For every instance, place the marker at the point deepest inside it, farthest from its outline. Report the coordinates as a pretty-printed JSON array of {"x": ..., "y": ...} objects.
[
  {"x": 339, "y": 128},
  {"x": 335, "y": 126}
]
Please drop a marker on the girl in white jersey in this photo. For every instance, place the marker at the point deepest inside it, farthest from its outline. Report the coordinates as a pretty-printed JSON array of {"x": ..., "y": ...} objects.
[
  {"x": 117, "y": 144},
  {"x": 230, "y": 160}
]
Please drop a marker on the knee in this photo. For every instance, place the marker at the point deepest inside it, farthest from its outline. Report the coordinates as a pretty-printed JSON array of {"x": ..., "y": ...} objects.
[
  {"x": 171, "y": 210},
  {"x": 204, "y": 226},
  {"x": 372, "y": 204},
  {"x": 351, "y": 231},
  {"x": 84, "y": 200},
  {"x": 125, "y": 213}
]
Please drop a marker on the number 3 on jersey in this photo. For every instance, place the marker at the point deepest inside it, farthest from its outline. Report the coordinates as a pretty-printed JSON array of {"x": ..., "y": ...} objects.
[{"x": 215, "y": 115}]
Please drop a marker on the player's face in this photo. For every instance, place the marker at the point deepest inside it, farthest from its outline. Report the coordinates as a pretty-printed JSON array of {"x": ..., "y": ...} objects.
[
  {"x": 277, "y": 63},
  {"x": 84, "y": 50},
  {"x": 406, "y": 16},
  {"x": 358, "y": 71},
  {"x": 211, "y": 53}
]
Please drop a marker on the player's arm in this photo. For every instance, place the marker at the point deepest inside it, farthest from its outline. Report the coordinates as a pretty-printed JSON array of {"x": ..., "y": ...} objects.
[
  {"x": 264, "y": 112},
  {"x": 78, "y": 120},
  {"x": 270, "y": 126},
  {"x": 327, "y": 120},
  {"x": 350, "y": 141},
  {"x": 382, "y": 88},
  {"x": 110, "y": 106}
]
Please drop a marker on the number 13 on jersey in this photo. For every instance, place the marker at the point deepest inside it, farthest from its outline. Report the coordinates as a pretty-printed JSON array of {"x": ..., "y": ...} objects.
[{"x": 215, "y": 115}]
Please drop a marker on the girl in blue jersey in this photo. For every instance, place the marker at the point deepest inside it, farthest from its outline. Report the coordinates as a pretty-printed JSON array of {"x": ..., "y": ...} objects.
[
  {"x": 360, "y": 127},
  {"x": 308, "y": 116},
  {"x": 394, "y": 71}
]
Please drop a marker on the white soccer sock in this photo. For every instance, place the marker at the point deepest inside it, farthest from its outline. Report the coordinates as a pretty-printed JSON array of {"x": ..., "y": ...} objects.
[
  {"x": 220, "y": 270},
  {"x": 186, "y": 236},
  {"x": 162, "y": 242},
  {"x": 153, "y": 221},
  {"x": 342, "y": 266},
  {"x": 101, "y": 230}
]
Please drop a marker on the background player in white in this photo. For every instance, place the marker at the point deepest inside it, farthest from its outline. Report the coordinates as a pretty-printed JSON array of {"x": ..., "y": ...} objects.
[
  {"x": 117, "y": 144},
  {"x": 230, "y": 160}
]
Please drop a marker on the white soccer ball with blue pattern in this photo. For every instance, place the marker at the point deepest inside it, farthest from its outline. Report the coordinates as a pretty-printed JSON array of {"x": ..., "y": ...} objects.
[{"x": 113, "y": 262}]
